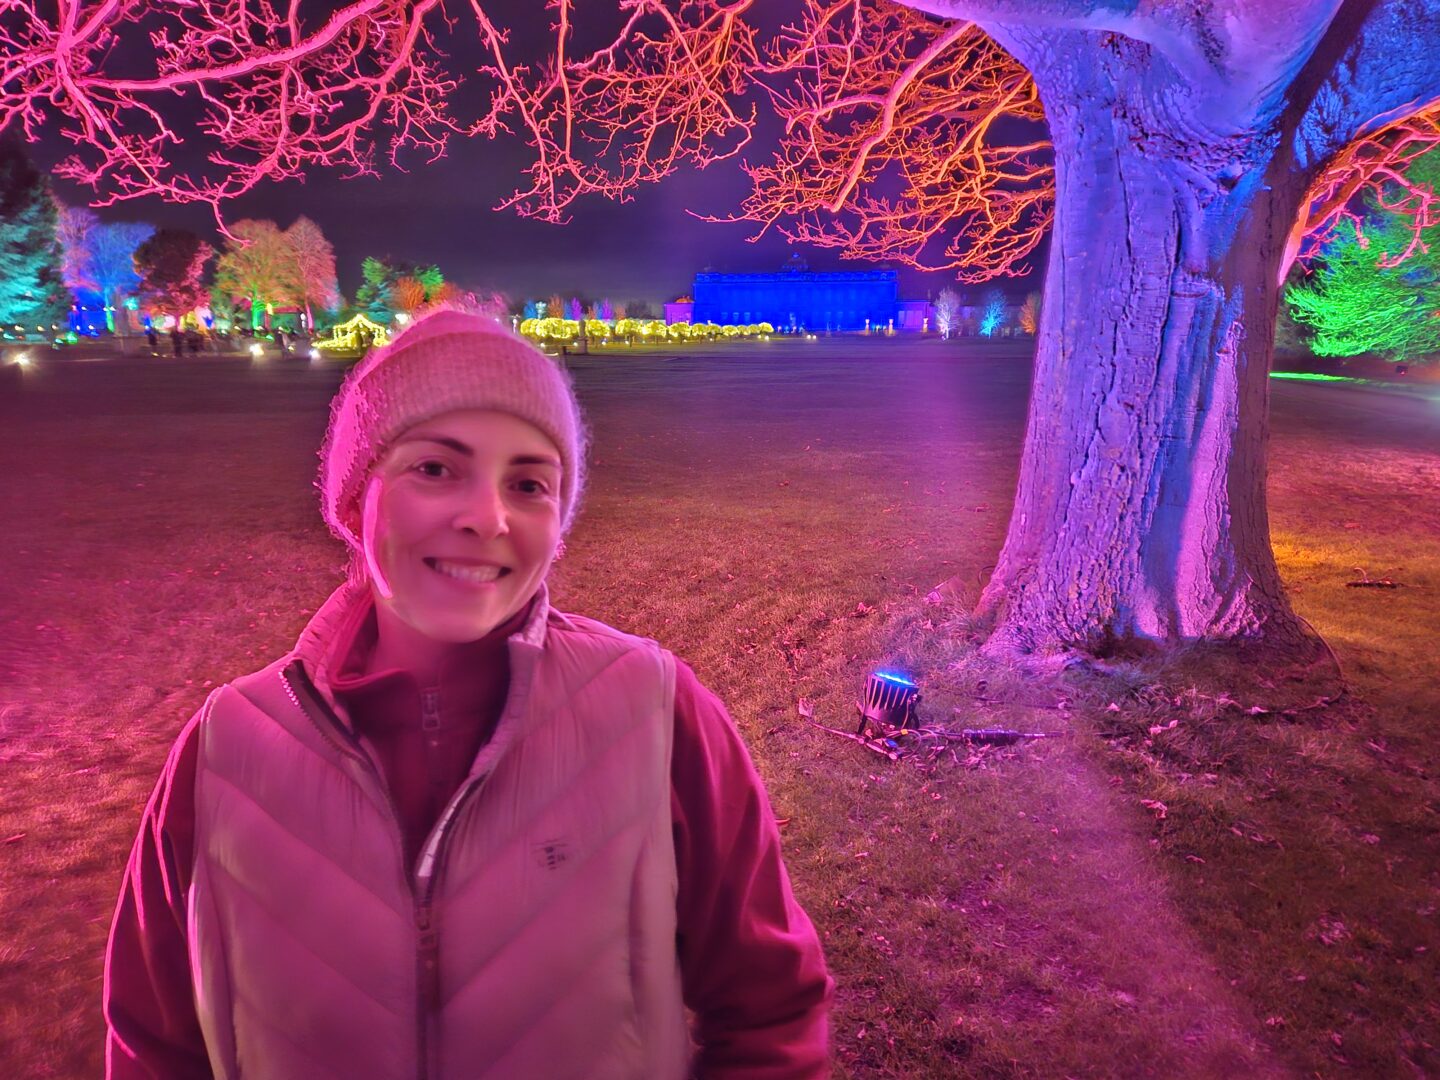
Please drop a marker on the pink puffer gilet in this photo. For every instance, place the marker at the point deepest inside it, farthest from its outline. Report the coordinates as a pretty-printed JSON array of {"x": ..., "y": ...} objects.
[{"x": 535, "y": 938}]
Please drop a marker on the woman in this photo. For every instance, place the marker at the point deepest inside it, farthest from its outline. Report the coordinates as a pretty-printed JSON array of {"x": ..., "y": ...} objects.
[{"x": 455, "y": 832}]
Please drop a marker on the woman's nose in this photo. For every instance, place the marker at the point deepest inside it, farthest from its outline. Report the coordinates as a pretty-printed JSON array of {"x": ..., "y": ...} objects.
[{"x": 484, "y": 512}]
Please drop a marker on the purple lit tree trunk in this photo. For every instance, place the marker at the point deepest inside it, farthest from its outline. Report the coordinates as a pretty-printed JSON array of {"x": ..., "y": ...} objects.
[
  {"x": 1141, "y": 506},
  {"x": 1185, "y": 143}
]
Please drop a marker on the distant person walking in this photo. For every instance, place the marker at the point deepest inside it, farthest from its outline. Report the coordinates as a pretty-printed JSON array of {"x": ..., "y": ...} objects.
[
  {"x": 153, "y": 338},
  {"x": 455, "y": 832},
  {"x": 177, "y": 340}
]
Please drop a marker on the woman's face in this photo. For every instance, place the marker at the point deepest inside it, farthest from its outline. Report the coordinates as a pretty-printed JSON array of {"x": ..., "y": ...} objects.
[{"x": 461, "y": 522}]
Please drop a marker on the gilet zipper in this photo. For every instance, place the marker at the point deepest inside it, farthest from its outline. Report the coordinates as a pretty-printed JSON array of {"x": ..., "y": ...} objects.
[
  {"x": 427, "y": 953},
  {"x": 421, "y": 884}
]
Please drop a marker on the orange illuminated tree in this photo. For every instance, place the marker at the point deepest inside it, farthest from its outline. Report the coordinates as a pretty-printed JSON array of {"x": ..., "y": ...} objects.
[{"x": 905, "y": 139}]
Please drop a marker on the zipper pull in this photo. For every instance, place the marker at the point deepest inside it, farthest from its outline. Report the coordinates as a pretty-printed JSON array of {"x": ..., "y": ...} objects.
[
  {"x": 429, "y": 949},
  {"x": 430, "y": 709}
]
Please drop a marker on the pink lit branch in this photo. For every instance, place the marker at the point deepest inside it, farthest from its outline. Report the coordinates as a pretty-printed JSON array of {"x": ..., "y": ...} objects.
[
  {"x": 1375, "y": 164},
  {"x": 664, "y": 92},
  {"x": 262, "y": 91}
]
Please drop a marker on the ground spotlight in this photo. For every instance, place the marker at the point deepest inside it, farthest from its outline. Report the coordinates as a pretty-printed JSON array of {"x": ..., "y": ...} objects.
[
  {"x": 314, "y": 355},
  {"x": 888, "y": 703},
  {"x": 23, "y": 359},
  {"x": 257, "y": 350}
]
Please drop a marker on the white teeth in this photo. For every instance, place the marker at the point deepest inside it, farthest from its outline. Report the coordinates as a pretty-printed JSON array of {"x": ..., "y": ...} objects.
[{"x": 476, "y": 574}]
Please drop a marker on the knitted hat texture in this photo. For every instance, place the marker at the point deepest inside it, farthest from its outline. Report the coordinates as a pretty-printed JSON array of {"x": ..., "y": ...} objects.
[{"x": 443, "y": 361}]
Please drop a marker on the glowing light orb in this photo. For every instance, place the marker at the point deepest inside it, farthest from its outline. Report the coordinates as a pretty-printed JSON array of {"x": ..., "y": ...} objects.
[{"x": 257, "y": 350}]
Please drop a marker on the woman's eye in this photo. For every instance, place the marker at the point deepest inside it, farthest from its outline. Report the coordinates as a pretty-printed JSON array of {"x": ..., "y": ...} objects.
[
  {"x": 533, "y": 487},
  {"x": 433, "y": 469}
]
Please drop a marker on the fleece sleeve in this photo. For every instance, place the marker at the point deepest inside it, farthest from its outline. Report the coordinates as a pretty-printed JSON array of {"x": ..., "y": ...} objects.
[
  {"x": 151, "y": 1026},
  {"x": 751, "y": 962}
]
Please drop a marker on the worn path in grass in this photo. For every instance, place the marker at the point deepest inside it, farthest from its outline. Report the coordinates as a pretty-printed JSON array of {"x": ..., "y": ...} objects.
[{"x": 766, "y": 511}]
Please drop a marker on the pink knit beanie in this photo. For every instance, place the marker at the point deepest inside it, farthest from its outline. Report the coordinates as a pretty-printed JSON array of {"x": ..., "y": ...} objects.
[{"x": 445, "y": 360}]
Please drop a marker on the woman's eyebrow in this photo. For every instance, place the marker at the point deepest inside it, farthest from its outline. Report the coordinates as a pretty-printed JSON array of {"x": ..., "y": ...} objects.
[
  {"x": 444, "y": 440},
  {"x": 460, "y": 448}
]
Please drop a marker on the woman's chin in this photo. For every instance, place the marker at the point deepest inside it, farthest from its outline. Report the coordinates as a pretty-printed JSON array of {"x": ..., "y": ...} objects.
[{"x": 453, "y": 630}]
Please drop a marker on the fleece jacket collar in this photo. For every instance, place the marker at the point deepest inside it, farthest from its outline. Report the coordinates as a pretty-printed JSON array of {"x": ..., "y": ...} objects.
[{"x": 315, "y": 648}]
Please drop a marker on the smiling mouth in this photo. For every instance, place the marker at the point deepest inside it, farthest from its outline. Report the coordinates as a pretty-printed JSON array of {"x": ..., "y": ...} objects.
[{"x": 470, "y": 575}]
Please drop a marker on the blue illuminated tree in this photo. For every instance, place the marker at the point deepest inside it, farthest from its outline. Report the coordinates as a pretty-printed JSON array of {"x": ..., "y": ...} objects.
[
  {"x": 992, "y": 312},
  {"x": 99, "y": 258}
]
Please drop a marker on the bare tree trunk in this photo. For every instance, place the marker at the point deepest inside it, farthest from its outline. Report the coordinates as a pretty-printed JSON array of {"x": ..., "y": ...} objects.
[{"x": 1140, "y": 513}]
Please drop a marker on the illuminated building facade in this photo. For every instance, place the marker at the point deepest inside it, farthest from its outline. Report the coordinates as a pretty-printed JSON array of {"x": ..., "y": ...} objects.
[{"x": 797, "y": 299}]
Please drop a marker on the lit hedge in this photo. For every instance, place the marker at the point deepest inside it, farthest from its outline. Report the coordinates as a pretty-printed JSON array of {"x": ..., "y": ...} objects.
[{"x": 598, "y": 331}]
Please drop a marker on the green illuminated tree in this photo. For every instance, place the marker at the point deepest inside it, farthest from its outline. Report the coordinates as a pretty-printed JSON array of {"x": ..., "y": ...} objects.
[
  {"x": 1355, "y": 301},
  {"x": 258, "y": 265},
  {"x": 32, "y": 292},
  {"x": 432, "y": 280},
  {"x": 1355, "y": 305},
  {"x": 374, "y": 295}
]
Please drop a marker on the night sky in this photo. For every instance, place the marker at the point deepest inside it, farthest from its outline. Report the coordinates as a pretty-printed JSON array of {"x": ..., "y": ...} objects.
[{"x": 648, "y": 249}]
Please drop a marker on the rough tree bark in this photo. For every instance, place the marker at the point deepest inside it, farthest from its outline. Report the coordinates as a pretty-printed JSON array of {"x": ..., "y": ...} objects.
[
  {"x": 1185, "y": 143},
  {"x": 1141, "y": 506}
]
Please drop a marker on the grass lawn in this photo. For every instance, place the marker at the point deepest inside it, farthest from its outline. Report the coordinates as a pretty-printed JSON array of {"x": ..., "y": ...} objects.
[{"x": 1179, "y": 887}]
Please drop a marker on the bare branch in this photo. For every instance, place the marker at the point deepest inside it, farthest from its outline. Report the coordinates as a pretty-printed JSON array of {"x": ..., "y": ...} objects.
[{"x": 900, "y": 142}]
